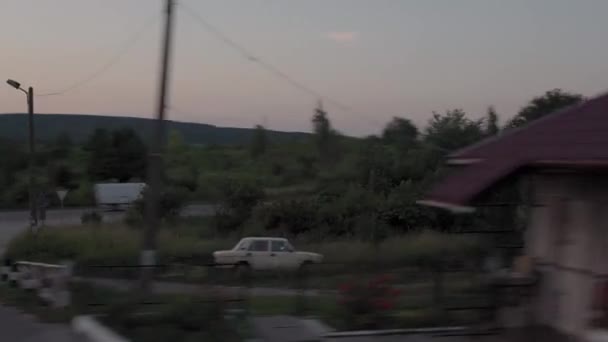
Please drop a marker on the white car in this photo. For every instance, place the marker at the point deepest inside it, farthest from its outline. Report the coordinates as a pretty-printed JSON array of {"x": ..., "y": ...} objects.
[{"x": 265, "y": 253}]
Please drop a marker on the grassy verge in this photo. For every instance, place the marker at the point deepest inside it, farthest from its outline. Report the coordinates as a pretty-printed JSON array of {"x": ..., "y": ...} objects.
[{"x": 117, "y": 244}]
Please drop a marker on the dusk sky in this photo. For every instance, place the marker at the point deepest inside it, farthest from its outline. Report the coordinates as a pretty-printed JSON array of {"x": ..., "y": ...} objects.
[{"x": 382, "y": 58}]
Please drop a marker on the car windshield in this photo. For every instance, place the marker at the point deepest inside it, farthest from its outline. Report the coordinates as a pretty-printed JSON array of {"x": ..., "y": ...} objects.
[{"x": 242, "y": 244}]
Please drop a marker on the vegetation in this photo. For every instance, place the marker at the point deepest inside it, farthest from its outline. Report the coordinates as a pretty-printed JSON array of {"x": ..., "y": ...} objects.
[
  {"x": 160, "y": 318},
  {"x": 175, "y": 312},
  {"x": 367, "y": 306},
  {"x": 107, "y": 244},
  {"x": 323, "y": 188},
  {"x": 352, "y": 200},
  {"x": 551, "y": 101}
]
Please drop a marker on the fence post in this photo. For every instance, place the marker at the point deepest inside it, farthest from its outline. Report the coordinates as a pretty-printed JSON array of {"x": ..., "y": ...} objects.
[
  {"x": 13, "y": 275},
  {"x": 301, "y": 287},
  {"x": 439, "y": 290},
  {"x": 246, "y": 289},
  {"x": 6, "y": 269}
]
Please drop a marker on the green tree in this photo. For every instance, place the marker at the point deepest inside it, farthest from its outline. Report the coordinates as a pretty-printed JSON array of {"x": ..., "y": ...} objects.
[
  {"x": 491, "y": 122},
  {"x": 259, "y": 141},
  {"x": 374, "y": 167},
  {"x": 238, "y": 198},
  {"x": 129, "y": 157},
  {"x": 180, "y": 166},
  {"x": 62, "y": 177},
  {"x": 452, "y": 131},
  {"x": 62, "y": 146},
  {"x": 550, "y": 102},
  {"x": 100, "y": 149},
  {"x": 120, "y": 155},
  {"x": 323, "y": 131},
  {"x": 401, "y": 132}
]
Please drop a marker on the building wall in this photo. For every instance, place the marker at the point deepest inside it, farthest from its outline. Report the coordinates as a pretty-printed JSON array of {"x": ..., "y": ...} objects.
[{"x": 566, "y": 235}]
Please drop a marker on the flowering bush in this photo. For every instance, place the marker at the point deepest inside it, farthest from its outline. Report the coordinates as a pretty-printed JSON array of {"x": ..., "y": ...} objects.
[
  {"x": 367, "y": 305},
  {"x": 600, "y": 304}
]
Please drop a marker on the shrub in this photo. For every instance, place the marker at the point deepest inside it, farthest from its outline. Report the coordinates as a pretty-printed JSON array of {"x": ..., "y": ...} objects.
[
  {"x": 367, "y": 305},
  {"x": 238, "y": 200},
  {"x": 293, "y": 217},
  {"x": 91, "y": 217},
  {"x": 172, "y": 201},
  {"x": 81, "y": 196},
  {"x": 185, "y": 318}
]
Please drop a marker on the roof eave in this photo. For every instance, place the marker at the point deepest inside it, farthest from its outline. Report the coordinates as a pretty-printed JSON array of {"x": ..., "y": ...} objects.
[
  {"x": 463, "y": 161},
  {"x": 455, "y": 208}
]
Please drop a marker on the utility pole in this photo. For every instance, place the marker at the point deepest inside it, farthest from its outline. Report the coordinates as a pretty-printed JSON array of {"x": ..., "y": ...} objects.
[
  {"x": 155, "y": 162},
  {"x": 32, "y": 158}
]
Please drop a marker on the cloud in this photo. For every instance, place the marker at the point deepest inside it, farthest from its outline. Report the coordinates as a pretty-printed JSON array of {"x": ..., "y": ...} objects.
[{"x": 342, "y": 37}]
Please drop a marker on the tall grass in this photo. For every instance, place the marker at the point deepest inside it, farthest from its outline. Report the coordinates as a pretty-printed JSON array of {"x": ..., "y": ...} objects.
[
  {"x": 119, "y": 245},
  {"x": 411, "y": 249},
  {"x": 108, "y": 244}
]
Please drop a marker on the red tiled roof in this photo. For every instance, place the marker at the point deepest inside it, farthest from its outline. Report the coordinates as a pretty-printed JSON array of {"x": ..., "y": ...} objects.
[{"x": 574, "y": 136}]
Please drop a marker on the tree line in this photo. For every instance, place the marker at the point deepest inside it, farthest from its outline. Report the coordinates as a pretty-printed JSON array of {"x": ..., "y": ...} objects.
[
  {"x": 328, "y": 184},
  {"x": 368, "y": 187}
]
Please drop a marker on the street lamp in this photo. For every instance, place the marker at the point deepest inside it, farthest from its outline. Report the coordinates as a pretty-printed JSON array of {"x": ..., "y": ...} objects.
[{"x": 30, "y": 110}]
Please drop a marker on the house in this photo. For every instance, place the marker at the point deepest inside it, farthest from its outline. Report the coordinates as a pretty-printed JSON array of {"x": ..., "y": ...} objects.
[{"x": 564, "y": 159}]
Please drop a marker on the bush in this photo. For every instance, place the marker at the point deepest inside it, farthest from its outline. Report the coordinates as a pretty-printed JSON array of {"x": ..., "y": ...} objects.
[
  {"x": 293, "y": 217},
  {"x": 91, "y": 217},
  {"x": 368, "y": 305},
  {"x": 237, "y": 202},
  {"x": 83, "y": 195},
  {"x": 172, "y": 200}
]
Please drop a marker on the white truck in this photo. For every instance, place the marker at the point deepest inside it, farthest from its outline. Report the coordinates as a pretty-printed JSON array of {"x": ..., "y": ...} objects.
[
  {"x": 265, "y": 253},
  {"x": 117, "y": 196}
]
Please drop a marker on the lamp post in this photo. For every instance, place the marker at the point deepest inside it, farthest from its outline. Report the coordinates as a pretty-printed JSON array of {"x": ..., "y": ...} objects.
[{"x": 29, "y": 93}]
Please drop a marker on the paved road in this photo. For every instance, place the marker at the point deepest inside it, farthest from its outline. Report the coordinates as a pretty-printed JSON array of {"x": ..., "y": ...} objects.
[{"x": 19, "y": 327}]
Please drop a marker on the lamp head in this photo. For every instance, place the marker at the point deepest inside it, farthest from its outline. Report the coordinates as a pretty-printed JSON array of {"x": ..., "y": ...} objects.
[{"x": 14, "y": 84}]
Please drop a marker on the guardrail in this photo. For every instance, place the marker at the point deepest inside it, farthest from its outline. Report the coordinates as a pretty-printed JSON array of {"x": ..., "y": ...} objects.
[{"x": 49, "y": 281}]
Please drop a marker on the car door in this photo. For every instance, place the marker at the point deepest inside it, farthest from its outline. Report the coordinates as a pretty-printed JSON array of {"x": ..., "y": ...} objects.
[
  {"x": 283, "y": 257},
  {"x": 258, "y": 254}
]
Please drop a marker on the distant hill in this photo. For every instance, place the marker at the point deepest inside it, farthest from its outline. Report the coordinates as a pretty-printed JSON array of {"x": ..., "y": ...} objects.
[{"x": 79, "y": 127}]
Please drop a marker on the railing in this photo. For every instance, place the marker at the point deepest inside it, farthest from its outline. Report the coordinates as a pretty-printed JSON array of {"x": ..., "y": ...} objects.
[
  {"x": 430, "y": 296},
  {"x": 432, "y": 292},
  {"x": 49, "y": 281}
]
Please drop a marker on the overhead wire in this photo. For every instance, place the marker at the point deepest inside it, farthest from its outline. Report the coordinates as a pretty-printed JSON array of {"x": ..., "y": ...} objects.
[
  {"x": 277, "y": 72},
  {"x": 113, "y": 60}
]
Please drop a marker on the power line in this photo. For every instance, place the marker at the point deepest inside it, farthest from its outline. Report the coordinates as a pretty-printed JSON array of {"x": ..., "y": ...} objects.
[
  {"x": 262, "y": 63},
  {"x": 123, "y": 49}
]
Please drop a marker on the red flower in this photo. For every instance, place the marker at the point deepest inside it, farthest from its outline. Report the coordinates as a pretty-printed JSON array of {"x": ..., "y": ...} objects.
[
  {"x": 345, "y": 287},
  {"x": 385, "y": 278},
  {"x": 382, "y": 304}
]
